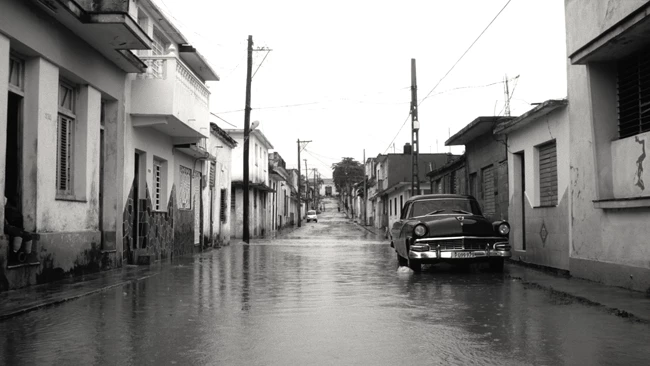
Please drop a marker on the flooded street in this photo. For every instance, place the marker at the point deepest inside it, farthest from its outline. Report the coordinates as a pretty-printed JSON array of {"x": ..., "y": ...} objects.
[{"x": 329, "y": 293}]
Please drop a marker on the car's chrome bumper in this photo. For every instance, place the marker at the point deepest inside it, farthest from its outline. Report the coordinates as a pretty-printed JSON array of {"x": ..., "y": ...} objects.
[{"x": 433, "y": 254}]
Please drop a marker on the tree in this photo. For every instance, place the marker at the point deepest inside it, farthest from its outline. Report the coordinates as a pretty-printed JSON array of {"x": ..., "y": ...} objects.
[{"x": 345, "y": 174}]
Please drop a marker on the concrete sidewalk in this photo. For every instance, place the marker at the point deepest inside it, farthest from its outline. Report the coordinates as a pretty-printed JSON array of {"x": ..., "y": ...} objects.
[
  {"x": 616, "y": 300},
  {"x": 15, "y": 302}
]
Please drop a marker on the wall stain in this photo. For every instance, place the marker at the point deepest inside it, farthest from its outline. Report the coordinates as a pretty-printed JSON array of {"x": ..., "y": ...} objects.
[{"x": 639, "y": 164}]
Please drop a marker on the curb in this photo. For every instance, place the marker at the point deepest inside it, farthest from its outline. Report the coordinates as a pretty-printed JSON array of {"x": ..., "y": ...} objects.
[
  {"x": 581, "y": 299},
  {"x": 365, "y": 228},
  {"x": 70, "y": 298}
]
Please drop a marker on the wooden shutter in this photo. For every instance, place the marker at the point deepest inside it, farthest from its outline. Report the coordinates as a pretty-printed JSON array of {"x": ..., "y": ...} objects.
[
  {"x": 488, "y": 190},
  {"x": 64, "y": 155},
  {"x": 224, "y": 205},
  {"x": 548, "y": 174},
  {"x": 213, "y": 168},
  {"x": 633, "y": 89}
]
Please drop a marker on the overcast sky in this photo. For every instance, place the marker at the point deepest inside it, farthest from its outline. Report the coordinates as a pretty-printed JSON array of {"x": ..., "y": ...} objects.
[{"x": 339, "y": 72}]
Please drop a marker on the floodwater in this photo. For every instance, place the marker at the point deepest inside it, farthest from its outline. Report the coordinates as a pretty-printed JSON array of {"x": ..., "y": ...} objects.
[{"x": 329, "y": 293}]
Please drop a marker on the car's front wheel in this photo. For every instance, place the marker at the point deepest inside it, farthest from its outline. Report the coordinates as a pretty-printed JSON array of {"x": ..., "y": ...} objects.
[
  {"x": 415, "y": 265},
  {"x": 496, "y": 264}
]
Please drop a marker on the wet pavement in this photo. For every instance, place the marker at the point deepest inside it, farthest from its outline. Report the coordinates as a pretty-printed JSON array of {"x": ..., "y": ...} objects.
[{"x": 329, "y": 293}]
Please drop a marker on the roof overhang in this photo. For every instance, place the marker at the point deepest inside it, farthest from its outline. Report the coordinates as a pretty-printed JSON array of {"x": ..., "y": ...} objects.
[
  {"x": 474, "y": 129},
  {"x": 624, "y": 38},
  {"x": 195, "y": 151},
  {"x": 197, "y": 63},
  {"x": 452, "y": 164},
  {"x": 108, "y": 28},
  {"x": 258, "y": 186},
  {"x": 531, "y": 116}
]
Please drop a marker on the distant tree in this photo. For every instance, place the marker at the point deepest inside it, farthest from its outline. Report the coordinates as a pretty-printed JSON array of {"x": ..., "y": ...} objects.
[{"x": 345, "y": 174}]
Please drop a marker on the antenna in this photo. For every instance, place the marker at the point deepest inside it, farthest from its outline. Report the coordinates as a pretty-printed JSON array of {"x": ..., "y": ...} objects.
[{"x": 506, "y": 93}]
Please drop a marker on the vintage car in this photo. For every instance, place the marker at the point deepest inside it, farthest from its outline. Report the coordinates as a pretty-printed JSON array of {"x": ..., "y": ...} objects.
[
  {"x": 312, "y": 216},
  {"x": 449, "y": 228}
]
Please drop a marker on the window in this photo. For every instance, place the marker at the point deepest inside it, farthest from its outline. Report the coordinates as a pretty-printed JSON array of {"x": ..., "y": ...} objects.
[
  {"x": 472, "y": 185},
  {"x": 233, "y": 199},
  {"x": 159, "y": 183},
  {"x": 224, "y": 205},
  {"x": 185, "y": 188},
  {"x": 65, "y": 139},
  {"x": 390, "y": 208},
  {"x": 16, "y": 74},
  {"x": 633, "y": 90},
  {"x": 548, "y": 174},
  {"x": 395, "y": 205},
  {"x": 254, "y": 198},
  {"x": 401, "y": 202},
  {"x": 213, "y": 170},
  {"x": 489, "y": 202},
  {"x": 256, "y": 154}
]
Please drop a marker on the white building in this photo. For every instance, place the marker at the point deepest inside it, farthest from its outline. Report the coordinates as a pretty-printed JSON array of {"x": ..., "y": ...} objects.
[
  {"x": 219, "y": 187},
  {"x": 258, "y": 176},
  {"x": 166, "y": 157},
  {"x": 62, "y": 112},
  {"x": 609, "y": 133}
]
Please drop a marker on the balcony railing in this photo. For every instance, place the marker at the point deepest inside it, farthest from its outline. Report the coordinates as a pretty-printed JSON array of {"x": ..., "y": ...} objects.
[{"x": 170, "y": 89}]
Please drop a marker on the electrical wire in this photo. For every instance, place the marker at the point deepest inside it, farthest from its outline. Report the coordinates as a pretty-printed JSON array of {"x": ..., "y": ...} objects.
[{"x": 464, "y": 53}]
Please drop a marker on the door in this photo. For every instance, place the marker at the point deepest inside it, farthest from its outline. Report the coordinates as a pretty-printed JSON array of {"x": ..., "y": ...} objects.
[
  {"x": 13, "y": 150},
  {"x": 136, "y": 208},
  {"x": 196, "y": 205},
  {"x": 101, "y": 179}
]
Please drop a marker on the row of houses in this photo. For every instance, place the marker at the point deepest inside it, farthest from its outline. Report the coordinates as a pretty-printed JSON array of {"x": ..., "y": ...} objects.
[
  {"x": 108, "y": 153},
  {"x": 569, "y": 173}
]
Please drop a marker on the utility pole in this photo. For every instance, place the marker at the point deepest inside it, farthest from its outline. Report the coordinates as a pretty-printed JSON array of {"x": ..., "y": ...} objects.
[
  {"x": 300, "y": 181},
  {"x": 247, "y": 122},
  {"x": 315, "y": 192},
  {"x": 365, "y": 191},
  {"x": 506, "y": 92},
  {"x": 415, "y": 128},
  {"x": 306, "y": 184}
]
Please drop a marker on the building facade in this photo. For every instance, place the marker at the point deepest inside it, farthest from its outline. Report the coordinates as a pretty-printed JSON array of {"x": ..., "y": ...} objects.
[
  {"x": 62, "y": 112},
  {"x": 259, "y": 190},
  {"x": 219, "y": 188},
  {"x": 609, "y": 133},
  {"x": 166, "y": 157},
  {"x": 486, "y": 165},
  {"x": 538, "y": 184}
]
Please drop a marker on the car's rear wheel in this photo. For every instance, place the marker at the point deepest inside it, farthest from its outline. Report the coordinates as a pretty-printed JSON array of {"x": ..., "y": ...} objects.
[
  {"x": 496, "y": 264},
  {"x": 401, "y": 261},
  {"x": 415, "y": 265}
]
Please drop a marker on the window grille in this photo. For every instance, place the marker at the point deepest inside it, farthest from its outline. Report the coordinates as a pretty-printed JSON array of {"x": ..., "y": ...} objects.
[
  {"x": 548, "y": 174},
  {"x": 157, "y": 182},
  {"x": 633, "y": 90},
  {"x": 64, "y": 155},
  {"x": 224, "y": 205}
]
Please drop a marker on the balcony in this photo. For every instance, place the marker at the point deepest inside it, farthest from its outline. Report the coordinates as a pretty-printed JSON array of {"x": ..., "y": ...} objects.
[
  {"x": 108, "y": 26},
  {"x": 170, "y": 98}
]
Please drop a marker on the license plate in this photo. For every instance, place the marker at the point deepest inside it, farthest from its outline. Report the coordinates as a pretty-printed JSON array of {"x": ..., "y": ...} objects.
[{"x": 462, "y": 255}]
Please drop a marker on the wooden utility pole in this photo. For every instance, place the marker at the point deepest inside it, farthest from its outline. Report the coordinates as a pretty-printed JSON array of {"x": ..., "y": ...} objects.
[
  {"x": 300, "y": 181},
  {"x": 306, "y": 185},
  {"x": 247, "y": 122},
  {"x": 365, "y": 191},
  {"x": 415, "y": 128}
]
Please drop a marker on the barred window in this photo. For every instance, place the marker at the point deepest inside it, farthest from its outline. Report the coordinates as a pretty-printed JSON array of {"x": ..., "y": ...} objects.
[
  {"x": 633, "y": 90},
  {"x": 65, "y": 140},
  {"x": 548, "y": 174},
  {"x": 223, "y": 205}
]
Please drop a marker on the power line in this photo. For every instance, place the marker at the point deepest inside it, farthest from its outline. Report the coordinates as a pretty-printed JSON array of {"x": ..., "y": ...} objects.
[
  {"x": 223, "y": 119},
  {"x": 464, "y": 53},
  {"x": 397, "y": 134}
]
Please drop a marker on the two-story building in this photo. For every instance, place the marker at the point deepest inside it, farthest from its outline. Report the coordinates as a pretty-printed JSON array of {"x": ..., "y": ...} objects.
[
  {"x": 609, "y": 131},
  {"x": 258, "y": 164},
  {"x": 281, "y": 215},
  {"x": 63, "y": 69},
  {"x": 166, "y": 157}
]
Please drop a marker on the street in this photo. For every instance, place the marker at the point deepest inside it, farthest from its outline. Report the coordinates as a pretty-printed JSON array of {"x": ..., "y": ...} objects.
[{"x": 329, "y": 293}]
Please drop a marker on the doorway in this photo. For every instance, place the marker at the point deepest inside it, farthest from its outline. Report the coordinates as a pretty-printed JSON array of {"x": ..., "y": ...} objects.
[
  {"x": 13, "y": 171},
  {"x": 519, "y": 232}
]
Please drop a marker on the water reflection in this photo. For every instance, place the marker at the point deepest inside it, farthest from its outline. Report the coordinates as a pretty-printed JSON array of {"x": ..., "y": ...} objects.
[{"x": 318, "y": 301}]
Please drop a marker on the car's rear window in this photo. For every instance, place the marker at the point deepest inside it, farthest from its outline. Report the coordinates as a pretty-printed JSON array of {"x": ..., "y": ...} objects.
[
  {"x": 311, "y": 212},
  {"x": 444, "y": 206}
]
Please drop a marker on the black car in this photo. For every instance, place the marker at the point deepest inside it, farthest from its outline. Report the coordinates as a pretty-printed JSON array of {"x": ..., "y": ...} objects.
[{"x": 449, "y": 228}]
